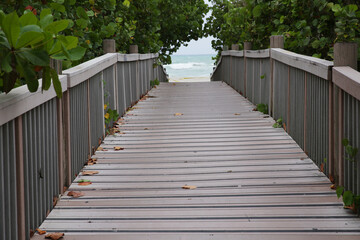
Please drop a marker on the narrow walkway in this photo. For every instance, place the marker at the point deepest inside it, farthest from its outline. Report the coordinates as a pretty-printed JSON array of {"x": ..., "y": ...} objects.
[{"x": 252, "y": 180}]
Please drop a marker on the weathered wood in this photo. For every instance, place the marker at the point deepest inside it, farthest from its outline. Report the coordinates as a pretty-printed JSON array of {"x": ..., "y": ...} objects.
[
  {"x": 257, "y": 53},
  {"x": 20, "y": 100},
  {"x": 109, "y": 46},
  {"x": 277, "y": 41},
  {"x": 20, "y": 180},
  {"x": 348, "y": 80},
  {"x": 345, "y": 54},
  {"x": 315, "y": 66},
  {"x": 133, "y": 49},
  {"x": 235, "y": 47},
  {"x": 251, "y": 179},
  {"x": 84, "y": 71}
]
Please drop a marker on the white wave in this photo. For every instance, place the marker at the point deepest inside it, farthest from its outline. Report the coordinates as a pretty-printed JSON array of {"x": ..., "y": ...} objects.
[{"x": 189, "y": 65}]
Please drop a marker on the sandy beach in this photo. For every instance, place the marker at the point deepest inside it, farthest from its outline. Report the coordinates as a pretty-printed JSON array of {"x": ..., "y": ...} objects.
[{"x": 190, "y": 79}]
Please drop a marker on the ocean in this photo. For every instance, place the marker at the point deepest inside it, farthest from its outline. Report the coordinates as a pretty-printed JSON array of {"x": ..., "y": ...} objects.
[{"x": 190, "y": 68}]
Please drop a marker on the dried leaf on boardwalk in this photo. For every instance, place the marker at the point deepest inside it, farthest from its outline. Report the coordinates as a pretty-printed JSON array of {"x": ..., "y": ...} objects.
[
  {"x": 189, "y": 187},
  {"x": 89, "y": 173},
  {"x": 75, "y": 194},
  {"x": 40, "y": 232},
  {"x": 84, "y": 183},
  {"x": 101, "y": 149},
  {"x": 55, "y": 236},
  {"x": 118, "y": 148},
  {"x": 178, "y": 114}
]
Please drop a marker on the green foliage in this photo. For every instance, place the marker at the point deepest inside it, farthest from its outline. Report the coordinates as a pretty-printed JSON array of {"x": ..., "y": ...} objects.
[
  {"x": 264, "y": 108},
  {"x": 27, "y": 44},
  {"x": 310, "y": 27},
  {"x": 350, "y": 150},
  {"x": 154, "y": 82},
  {"x": 154, "y": 25},
  {"x": 350, "y": 200},
  {"x": 278, "y": 123}
]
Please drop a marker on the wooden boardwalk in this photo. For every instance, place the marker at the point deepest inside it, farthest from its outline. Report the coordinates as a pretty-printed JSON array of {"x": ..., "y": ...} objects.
[{"x": 252, "y": 180}]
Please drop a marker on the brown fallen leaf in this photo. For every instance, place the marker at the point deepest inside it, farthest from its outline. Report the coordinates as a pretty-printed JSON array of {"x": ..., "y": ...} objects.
[
  {"x": 230, "y": 171},
  {"x": 101, "y": 149},
  {"x": 351, "y": 207},
  {"x": 237, "y": 114},
  {"x": 118, "y": 148},
  {"x": 178, "y": 114},
  {"x": 91, "y": 161},
  {"x": 55, "y": 200},
  {"x": 55, "y": 236},
  {"x": 333, "y": 187},
  {"x": 174, "y": 84},
  {"x": 75, "y": 194},
  {"x": 31, "y": 233},
  {"x": 146, "y": 129},
  {"x": 64, "y": 189},
  {"x": 89, "y": 173},
  {"x": 331, "y": 178},
  {"x": 322, "y": 167},
  {"x": 84, "y": 183},
  {"x": 189, "y": 187},
  {"x": 284, "y": 126},
  {"x": 254, "y": 109},
  {"x": 40, "y": 232}
]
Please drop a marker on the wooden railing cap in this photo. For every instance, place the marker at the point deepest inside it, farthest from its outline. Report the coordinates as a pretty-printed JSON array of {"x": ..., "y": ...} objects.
[{"x": 20, "y": 100}]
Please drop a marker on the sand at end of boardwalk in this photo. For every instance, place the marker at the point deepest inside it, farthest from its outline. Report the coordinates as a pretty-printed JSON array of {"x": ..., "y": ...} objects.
[{"x": 190, "y": 79}]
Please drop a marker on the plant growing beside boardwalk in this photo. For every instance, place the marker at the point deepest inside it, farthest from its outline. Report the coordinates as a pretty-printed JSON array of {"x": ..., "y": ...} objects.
[{"x": 27, "y": 44}]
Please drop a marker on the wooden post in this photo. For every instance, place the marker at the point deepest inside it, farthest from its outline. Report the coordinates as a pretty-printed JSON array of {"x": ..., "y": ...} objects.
[
  {"x": 345, "y": 54},
  {"x": 247, "y": 46},
  {"x": 276, "y": 41},
  {"x": 20, "y": 182},
  {"x": 134, "y": 49},
  {"x": 235, "y": 47},
  {"x": 109, "y": 46},
  {"x": 57, "y": 65},
  {"x": 67, "y": 135}
]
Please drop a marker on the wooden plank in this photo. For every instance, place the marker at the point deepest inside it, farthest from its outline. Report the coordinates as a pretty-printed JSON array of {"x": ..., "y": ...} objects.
[
  {"x": 253, "y": 181},
  {"x": 207, "y": 236}
]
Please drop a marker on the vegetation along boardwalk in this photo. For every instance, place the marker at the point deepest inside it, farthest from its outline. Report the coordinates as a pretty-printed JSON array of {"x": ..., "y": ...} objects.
[{"x": 246, "y": 179}]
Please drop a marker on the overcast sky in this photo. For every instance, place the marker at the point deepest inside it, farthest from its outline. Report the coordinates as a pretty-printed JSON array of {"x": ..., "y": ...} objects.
[{"x": 202, "y": 46}]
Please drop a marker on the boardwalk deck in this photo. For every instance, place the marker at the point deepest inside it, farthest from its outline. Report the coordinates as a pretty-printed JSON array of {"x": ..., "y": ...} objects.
[{"x": 253, "y": 181}]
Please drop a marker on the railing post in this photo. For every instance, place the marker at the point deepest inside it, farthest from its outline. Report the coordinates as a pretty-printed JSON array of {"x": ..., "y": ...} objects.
[
  {"x": 235, "y": 47},
  {"x": 109, "y": 46},
  {"x": 345, "y": 54},
  {"x": 20, "y": 182},
  {"x": 247, "y": 46},
  {"x": 57, "y": 65},
  {"x": 276, "y": 41},
  {"x": 133, "y": 49}
]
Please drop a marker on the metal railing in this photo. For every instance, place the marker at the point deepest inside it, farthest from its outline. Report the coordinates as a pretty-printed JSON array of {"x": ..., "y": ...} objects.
[
  {"x": 45, "y": 141},
  {"x": 318, "y": 103}
]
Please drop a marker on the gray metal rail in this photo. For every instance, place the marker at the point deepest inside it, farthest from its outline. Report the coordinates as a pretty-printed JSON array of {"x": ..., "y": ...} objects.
[
  {"x": 318, "y": 104},
  {"x": 45, "y": 141}
]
